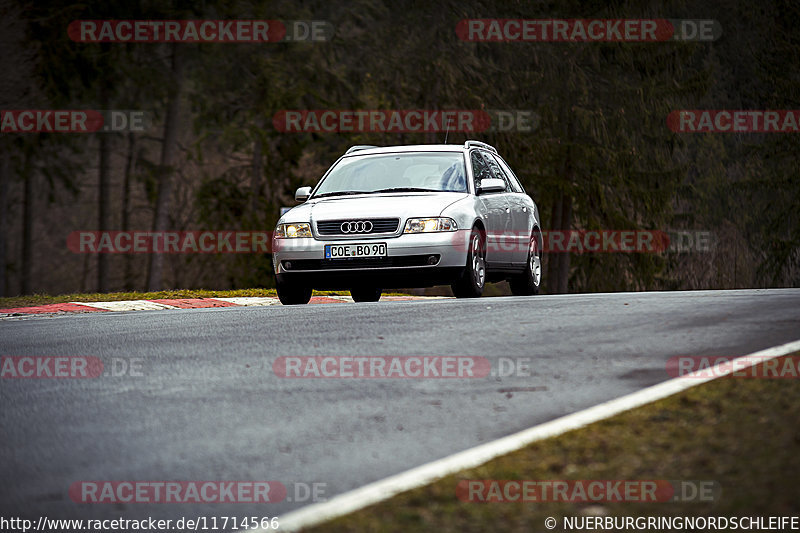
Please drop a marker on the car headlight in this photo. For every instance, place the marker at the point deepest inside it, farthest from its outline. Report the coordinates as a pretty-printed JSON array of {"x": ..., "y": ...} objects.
[
  {"x": 292, "y": 231},
  {"x": 429, "y": 225}
]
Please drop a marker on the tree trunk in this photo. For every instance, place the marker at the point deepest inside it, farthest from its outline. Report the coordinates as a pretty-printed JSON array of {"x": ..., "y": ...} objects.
[
  {"x": 553, "y": 256},
  {"x": 85, "y": 273},
  {"x": 5, "y": 176},
  {"x": 130, "y": 168},
  {"x": 104, "y": 207},
  {"x": 166, "y": 170},
  {"x": 563, "y": 264},
  {"x": 565, "y": 205},
  {"x": 27, "y": 228},
  {"x": 255, "y": 178}
]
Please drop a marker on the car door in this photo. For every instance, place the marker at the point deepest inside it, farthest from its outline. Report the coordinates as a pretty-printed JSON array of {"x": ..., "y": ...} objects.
[
  {"x": 521, "y": 209},
  {"x": 495, "y": 210}
]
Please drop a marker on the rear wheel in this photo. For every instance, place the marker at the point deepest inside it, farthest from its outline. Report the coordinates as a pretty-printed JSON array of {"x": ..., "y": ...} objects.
[
  {"x": 473, "y": 278},
  {"x": 527, "y": 283},
  {"x": 365, "y": 294},
  {"x": 291, "y": 294}
]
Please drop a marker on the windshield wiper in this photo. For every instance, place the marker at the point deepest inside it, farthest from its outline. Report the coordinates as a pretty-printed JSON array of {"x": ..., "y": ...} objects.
[
  {"x": 340, "y": 193},
  {"x": 406, "y": 189}
]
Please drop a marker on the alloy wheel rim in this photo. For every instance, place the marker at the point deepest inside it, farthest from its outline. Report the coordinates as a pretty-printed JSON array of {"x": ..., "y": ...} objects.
[
  {"x": 478, "y": 266},
  {"x": 535, "y": 262}
]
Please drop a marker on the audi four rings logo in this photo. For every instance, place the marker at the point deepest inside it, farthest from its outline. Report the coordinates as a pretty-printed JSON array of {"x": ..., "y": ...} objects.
[{"x": 356, "y": 226}]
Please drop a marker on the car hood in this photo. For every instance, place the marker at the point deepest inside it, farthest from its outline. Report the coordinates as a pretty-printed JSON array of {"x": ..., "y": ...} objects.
[{"x": 401, "y": 205}]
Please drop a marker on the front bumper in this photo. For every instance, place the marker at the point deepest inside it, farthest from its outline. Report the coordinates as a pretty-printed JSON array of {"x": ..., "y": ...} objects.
[{"x": 413, "y": 260}]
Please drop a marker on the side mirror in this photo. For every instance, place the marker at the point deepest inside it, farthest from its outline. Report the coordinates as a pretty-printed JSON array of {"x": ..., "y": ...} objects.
[
  {"x": 491, "y": 185},
  {"x": 302, "y": 194}
]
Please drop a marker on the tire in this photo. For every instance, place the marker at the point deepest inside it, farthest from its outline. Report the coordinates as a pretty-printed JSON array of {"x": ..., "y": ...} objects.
[
  {"x": 473, "y": 278},
  {"x": 528, "y": 283},
  {"x": 365, "y": 294},
  {"x": 290, "y": 294}
]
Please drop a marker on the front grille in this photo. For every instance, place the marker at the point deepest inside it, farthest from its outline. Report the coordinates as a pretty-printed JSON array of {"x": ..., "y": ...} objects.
[
  {"x": 363, "y": 262},
  {"x": 379, "y": 225}
]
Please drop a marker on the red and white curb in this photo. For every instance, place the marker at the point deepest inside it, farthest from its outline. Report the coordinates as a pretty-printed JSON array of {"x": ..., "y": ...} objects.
[{"x": 179, "y": 303}]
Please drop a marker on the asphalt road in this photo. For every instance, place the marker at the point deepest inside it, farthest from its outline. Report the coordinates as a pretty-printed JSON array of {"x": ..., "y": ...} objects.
[{"x": 205, "y": 403}]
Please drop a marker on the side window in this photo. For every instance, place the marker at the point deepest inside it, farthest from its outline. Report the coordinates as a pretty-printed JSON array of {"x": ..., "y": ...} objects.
[
  {"x": 480, "y": 170},
  {"x": 497, "y": 171},
  {"x": 516, "y": 186}
]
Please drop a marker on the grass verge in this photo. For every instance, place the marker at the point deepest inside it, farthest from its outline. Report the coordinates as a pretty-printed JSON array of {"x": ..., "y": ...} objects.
[
  {"x": 43, "y": 299},
  {"x": 742, "y": 433}
]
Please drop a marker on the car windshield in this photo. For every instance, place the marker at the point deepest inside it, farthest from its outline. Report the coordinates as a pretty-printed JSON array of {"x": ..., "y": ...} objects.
[{"x": 405, "y": 172}]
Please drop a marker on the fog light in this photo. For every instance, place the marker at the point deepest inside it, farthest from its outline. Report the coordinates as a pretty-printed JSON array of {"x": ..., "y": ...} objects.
[
  {"x": 287, "y": 265},
  {"x": 432, "y": 260}
]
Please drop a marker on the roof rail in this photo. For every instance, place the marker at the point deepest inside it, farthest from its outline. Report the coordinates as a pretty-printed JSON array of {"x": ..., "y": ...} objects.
[
  {"x": 479, "y": 144},
  {"x": 358, "y": 147}
]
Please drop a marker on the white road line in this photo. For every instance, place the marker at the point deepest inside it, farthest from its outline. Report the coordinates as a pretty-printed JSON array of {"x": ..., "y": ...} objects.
[
  {"x": 383, "y": 489},
  {"x": 128, "y": 305}
]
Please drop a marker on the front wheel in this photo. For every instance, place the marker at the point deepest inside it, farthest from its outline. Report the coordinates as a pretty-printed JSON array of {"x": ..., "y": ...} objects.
[
  {"x": 528, "y": 283},
  {"x": 473, "y": 278},
  {"x": 291, "y": 294},
  {"x": 365, "y": 294}
]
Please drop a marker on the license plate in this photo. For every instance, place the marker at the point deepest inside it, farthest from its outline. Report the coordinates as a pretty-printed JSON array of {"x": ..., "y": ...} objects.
[{"x": 349, "y": 251}]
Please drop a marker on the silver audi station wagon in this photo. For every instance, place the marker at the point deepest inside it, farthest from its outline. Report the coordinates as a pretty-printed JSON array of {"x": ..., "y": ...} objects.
[{"x": 410, "y": 216}]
